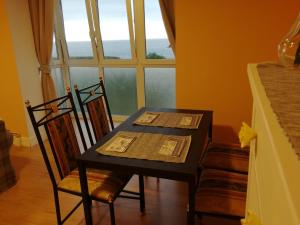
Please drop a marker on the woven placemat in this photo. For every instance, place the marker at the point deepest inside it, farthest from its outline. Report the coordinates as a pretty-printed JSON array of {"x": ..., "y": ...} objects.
[
  {"x": 149, "y": 146},
  {"x": 282, "y": 87},
  {"x": 169, "y": 119}
]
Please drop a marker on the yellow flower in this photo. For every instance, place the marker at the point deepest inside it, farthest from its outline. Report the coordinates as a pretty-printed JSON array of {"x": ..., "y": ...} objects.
[
  {"x": 246, "y": 134},
  {"x": 250, "y": 219}
]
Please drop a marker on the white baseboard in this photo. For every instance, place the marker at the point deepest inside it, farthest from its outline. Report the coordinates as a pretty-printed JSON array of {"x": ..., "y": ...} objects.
[{"x": 22, "y": 141}]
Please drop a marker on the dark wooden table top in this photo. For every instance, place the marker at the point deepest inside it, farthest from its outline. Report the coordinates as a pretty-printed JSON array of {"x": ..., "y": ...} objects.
[{"x": 176, "y": 171}]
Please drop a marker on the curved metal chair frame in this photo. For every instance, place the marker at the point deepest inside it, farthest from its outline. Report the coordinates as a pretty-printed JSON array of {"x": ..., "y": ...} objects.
[
  {"x": 87, "y": 95},
  {"x": 53, "y": 110}
]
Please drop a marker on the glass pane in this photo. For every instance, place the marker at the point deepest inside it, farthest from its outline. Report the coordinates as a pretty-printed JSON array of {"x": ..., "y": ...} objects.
[
  {"x": 157, "y": 43},
  {"x": 54, "y": 49},
  {"x": 133, "y": 20},
  {"x": 120, "y": 86},
  {"x": 58, "y": 81},
  {"x": 83, "y": 77},
  {"x": 114, "y": 29},
  {"x": 77, "y": 29},
  {"x": 160, "y": 87}
]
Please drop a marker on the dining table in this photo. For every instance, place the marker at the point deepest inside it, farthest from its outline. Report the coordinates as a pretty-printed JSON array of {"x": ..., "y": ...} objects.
[{"x": 186, "y": 171}]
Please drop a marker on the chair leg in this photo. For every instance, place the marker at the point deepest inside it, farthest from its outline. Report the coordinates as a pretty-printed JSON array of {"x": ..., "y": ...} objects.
[
  {"x": 112, "y": 214},
  {"x": 199, "y": 215},
  {"x": 57, "y": 207},
  {"x": 142, "y": 193},
  {"x": 199, "y": 171}
]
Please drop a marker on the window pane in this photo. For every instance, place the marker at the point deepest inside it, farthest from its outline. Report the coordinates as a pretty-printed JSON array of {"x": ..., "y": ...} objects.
[
  {"x": 54, "y": 49},
  {"x": 160, "y": 87},
  {"x": 133, "y": 20},
  {"x": 120, "y": 86},
  {"x": 58, "y": 81},
  {"x": 114, "y": 29},
  {"x": 157, "y": 43},
  {"x": 83, "y": 77},
  {"x": 77, "y": 29}
]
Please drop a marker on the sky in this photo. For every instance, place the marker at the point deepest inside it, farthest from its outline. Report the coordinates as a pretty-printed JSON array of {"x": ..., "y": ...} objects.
[{"x": 113, "y": 20}]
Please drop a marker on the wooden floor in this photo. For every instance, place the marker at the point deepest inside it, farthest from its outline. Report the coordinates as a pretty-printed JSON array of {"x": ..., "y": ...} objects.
[{"x": 30, "y": 201}]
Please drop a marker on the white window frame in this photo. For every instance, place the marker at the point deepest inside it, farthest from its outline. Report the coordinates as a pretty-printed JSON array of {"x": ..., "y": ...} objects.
[{"x": 137, "y": 43}]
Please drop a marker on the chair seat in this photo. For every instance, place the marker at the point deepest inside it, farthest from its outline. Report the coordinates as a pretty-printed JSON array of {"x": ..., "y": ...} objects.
[
  {"x": 221, "y": 192},
  {"x": 103, "y": 185},
  {"x": 225, "y": 158}
]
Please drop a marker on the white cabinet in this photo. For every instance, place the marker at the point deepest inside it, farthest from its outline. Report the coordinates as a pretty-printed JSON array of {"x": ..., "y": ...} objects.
[{"x": 274, "y": 170}]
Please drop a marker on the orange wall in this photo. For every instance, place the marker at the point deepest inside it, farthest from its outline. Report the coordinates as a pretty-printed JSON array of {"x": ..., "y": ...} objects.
[
  {"x": 214, "y": 42},
  {"x": 11, "y": 102}
]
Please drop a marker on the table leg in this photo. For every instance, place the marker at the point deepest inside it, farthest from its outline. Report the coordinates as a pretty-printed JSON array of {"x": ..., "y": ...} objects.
[
  {"x": 210, "y": 130},
  {"x": 191, "y": 206},
  {"x": 142, "y": 193},
  {"x": 85, "y": 194}
]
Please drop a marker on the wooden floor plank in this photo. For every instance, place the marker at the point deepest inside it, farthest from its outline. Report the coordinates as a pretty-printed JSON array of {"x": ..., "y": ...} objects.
[{"x": 30, "y": 201}]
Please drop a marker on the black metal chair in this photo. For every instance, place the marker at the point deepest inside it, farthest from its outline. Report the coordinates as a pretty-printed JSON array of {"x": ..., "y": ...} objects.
[
  {"x": 222, "y": 187},
  {"x": 61, "y": 124},
  {"x": 221, "y": 193},
  {"x": 227, "y": 158},
  {"x": 93, "y": 99}
]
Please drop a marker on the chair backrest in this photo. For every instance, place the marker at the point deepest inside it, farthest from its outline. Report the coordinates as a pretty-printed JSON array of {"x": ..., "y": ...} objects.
[
  {"x": 60, "y": 128},
  {"x": 93, "y": 99}
]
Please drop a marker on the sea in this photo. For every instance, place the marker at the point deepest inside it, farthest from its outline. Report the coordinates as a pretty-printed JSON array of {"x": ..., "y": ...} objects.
[{"x": 120, "y": 83}]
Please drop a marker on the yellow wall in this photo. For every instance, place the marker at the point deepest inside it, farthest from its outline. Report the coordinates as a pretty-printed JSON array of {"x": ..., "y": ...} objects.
[
  {"x": 11, "y": 102},
  {"x": 214, "y": 42}
]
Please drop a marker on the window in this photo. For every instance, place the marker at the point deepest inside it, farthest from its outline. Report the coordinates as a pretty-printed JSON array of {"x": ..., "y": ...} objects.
[
  {"x": 157, "y": 43},
  {"x": 126, "y": 43},
  {"x": 54, "y": 49},
  {"x": 83, "y": 77},
  {"x": 58, "y": 81},
  {"x": 76, "y": 29},
  {"x": 160, "y": 87},
  {"x": 120, "y": 86},
  {"x": 114, "y": 29}
]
